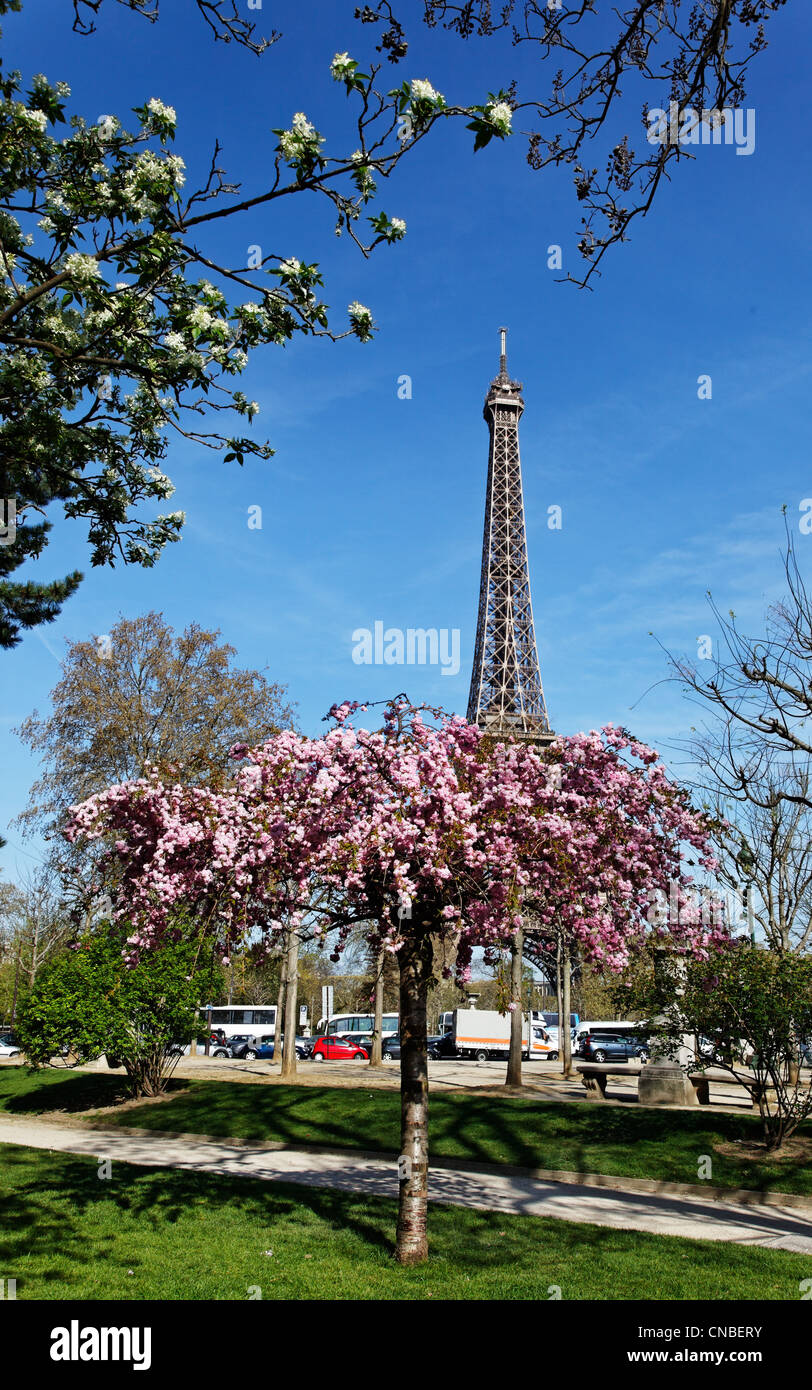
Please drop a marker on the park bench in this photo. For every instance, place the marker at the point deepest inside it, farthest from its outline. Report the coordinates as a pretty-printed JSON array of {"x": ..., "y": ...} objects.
[{"x": 595, "y": 1076}]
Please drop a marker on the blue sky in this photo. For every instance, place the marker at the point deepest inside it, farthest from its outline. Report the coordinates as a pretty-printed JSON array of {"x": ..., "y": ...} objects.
[{"x": 373, "y": 505}]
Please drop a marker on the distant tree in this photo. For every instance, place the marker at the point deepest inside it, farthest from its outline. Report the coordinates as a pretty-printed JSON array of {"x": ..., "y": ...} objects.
[
  {"x": 144, "y": 695},
  {"x": 35, "y": 924},
  {"x": 89, "y": 1003}
]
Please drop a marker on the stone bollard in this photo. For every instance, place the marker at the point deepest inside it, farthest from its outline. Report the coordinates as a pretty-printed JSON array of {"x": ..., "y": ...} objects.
[{"x": 662, "y": 1082}]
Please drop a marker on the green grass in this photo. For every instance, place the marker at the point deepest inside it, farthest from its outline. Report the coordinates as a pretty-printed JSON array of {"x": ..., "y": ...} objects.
[
  {"x": 158, "y": 1234},
  {"x": 575, "y": 1137}
]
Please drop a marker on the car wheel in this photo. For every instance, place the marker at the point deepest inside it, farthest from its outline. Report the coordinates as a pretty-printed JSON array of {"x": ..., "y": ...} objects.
[
  {"x": 221, "y": 1052},
  {"x": 387, "y": 1057},
  {"x": 318, "y": 1056},
  {"x": 599, "y": 1056},
  {"x": 481, "y": 1056},
  {"x": 552, "y": 1056},
  {"x": 359, "y": 1057},
  {"x": 643, "y": 1056},
  {"x": 249, "y": 1054}
]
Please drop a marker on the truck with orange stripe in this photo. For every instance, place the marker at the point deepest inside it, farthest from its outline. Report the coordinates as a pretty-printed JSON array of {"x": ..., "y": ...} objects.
[{"x": 484, "y": 1034}]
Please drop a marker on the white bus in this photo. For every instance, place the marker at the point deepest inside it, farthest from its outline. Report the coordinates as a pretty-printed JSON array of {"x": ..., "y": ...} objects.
[
  {"x": 257, "y": 1019},
  {"x": 358, "y": 1025}
]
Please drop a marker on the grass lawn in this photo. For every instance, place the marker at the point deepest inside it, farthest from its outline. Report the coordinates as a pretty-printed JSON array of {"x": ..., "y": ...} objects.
[
  {"x": 158, "y": 1234},
  {"x": 576, "y": 1137}
]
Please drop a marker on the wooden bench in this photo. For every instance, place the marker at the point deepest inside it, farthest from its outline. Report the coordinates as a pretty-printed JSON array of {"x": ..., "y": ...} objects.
[{"x": 595, "y": 1076}]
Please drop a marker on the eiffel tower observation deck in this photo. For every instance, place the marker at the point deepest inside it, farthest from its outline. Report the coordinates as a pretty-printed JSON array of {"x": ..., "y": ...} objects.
[{"x": 507, "y": 697}]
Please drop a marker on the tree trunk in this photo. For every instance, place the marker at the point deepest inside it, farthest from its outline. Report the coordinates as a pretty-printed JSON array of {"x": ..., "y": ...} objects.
[
  {"x": 376, "y": 1060},
  {"x": 564, "y": 1017},
  {"x": 292, "y": 988},
  {"x": 280, "y": 1003},
  {"x": 34, "y": 954},
  {"x": 559, "y": 999},
  {"x": 16, "y": 987},
  {"x": 514, "y": 1068},
  {"x": 416, "y": 961}
]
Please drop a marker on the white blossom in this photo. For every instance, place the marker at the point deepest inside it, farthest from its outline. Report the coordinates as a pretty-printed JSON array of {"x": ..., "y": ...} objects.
[
  {"x": 500, "y": 115},
  {"x": 36, "y": 118},
  {"x": 302, "y": 126},
  {"x": 200, "y": 317},
  {"x": 301, "y": 139},
  {"x": 342, "y": 66},
  {"x": 422, "y": 90},
  {"x": 166, "y": 113},
  {"x": 83, "y": 269}
]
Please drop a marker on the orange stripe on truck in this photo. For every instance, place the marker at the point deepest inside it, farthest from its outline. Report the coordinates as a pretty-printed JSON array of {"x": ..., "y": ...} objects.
[{"x": 498, "y": 1042}]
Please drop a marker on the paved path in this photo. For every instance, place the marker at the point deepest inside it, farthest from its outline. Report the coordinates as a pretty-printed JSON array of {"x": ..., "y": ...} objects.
[{"x": 779, "y": 1228}]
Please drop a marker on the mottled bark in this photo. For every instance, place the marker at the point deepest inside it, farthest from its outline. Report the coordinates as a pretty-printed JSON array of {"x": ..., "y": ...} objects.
[
  {"x": 559, "y": 999},
  {"x": 416, "y": 961},
  {"x": 565, "y": 1037},
  {"x": 280, "y": 1002},
  {"x": 376, "y": 1059},
  {"x": 292, "y": 992},
  {"x": 514, "y": 1069}
]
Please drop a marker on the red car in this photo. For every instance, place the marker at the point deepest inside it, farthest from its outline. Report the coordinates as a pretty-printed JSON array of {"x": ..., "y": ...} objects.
[{"x": 333, "y": 1049}]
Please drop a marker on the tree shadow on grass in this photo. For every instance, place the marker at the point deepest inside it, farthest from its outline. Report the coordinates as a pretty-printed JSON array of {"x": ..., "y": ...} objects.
[
  {"x": 598, "y": 1138},
  {"x": 56, "y": 1208},
  {"x": 41, "y": 1091}
]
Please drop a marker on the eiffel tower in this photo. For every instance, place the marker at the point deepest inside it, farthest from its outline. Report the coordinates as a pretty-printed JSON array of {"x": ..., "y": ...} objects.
[{"x": 506, "y": 698}]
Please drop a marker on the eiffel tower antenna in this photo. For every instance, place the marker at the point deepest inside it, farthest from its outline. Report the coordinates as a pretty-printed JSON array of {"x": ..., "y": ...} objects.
[{"x": 506, "y": 698}]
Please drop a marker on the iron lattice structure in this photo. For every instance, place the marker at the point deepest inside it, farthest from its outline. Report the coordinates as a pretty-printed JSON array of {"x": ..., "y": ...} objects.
[{"x": 507, "y": 698}]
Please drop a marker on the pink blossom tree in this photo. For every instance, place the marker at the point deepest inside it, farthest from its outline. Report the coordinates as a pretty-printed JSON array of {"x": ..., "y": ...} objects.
[{"x": 429, "y": 832}]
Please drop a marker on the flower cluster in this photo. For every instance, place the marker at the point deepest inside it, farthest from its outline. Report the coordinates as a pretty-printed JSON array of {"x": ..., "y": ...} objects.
[
  {"x": 301, "y": 144},
  {"x": 360, "y": 320}
]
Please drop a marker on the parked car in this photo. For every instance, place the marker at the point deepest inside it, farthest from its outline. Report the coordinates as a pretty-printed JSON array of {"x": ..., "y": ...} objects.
[
  {"x": 267, "y": 1050},
  {"x": 9, "y": 1046},
  {"x": 391, "y": 1047},
  {"x": 334, "y": 1049},
  {"x": 248, "y": 1046},
  {"x": 614, "y": 1047}
]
